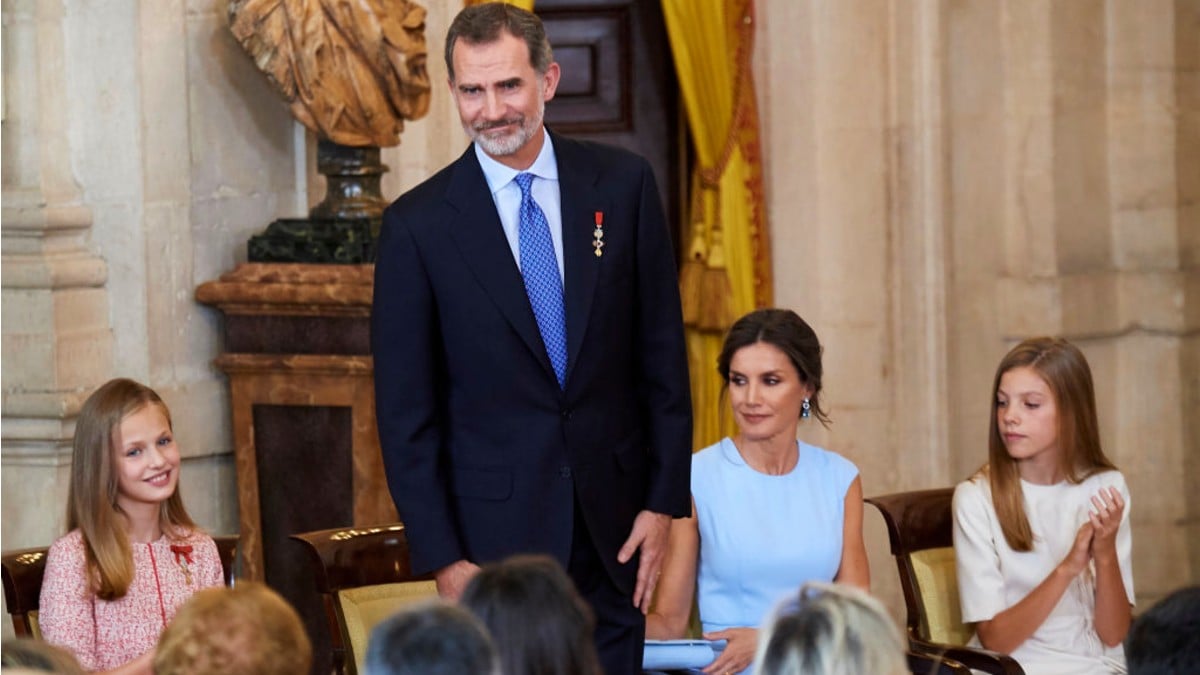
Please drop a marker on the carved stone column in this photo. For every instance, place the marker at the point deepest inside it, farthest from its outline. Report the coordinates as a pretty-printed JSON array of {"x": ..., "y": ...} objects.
[{"x": 61, "y": 346}]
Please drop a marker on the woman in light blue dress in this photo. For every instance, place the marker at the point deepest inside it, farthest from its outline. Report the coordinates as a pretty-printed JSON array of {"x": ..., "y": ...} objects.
[{"x": 768, "y": 512}]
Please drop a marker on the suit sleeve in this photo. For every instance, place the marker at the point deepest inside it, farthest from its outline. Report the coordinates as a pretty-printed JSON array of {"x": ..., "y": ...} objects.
[
  {"x": 406, "y": 346},
  {"x": 665, "y": 388}
]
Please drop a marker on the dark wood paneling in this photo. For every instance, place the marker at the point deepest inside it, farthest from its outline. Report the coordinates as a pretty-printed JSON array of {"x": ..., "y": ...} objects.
[{"x": 618, "y": 85}]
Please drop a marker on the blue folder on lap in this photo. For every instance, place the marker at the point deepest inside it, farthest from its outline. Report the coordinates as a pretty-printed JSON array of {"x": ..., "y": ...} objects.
[{"x": 680, "y": 654}]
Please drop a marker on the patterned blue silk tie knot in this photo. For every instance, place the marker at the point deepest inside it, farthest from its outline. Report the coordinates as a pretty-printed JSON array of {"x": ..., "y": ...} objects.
[{"x": 539, "y": 268}]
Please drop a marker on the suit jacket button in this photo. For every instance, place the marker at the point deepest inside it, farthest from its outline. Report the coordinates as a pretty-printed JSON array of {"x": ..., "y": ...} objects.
[{"x": 565, "y": 472}]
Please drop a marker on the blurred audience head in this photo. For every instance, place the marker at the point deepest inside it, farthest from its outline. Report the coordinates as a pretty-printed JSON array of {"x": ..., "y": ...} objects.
[
  {"x": 830, "y": 629},
  {"x": 539, "y": 622},
  {"x": 1166, "y": 639},
  {"x": 26, "y": 655},
  {"x": 431, "y": 638},
  {"x": 245, "y": 630}
]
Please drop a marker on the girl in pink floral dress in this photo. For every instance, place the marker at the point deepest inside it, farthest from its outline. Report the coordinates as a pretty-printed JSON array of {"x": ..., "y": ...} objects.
[{"x": 132, "y": 555}]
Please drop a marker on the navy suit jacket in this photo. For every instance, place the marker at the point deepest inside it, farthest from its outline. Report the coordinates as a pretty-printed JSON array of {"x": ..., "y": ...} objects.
[{"x": 485, "y": 454}]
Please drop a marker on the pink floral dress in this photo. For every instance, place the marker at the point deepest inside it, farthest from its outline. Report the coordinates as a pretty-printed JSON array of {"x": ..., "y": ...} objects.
[{"x": 103, "y": 634}]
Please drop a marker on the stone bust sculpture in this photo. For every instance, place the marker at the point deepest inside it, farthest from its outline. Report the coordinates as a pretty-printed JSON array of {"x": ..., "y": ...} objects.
[{"x": 352, "y": 70}]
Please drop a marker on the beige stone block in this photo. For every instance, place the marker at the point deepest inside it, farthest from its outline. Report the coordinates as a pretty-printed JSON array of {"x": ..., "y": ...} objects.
[
  {"x": 1159, "y": 560},
  {"x": 1146, "y": 238},
  {"x": 241, "y": 140},
  {"x": 100, "y": 43},
  {"x": 1028, "y": 307},
  {"x": 862, "y": 434},
  {"x": 1027, "y": 210},
  {"x": 1082, "y": 227},
  {"x": 1091, "y": 304},
  {"x": 162, "y": 59},
  {"x": 30, "y": 309},
  {"x": 850, "y": 47},
  {"x": 169, "y": 262},
  {"x": 80, "y": 309},
  {"x": 855, "y": 351},
  {"x": 200, "y": 415},
  {"x": 1028, "y": 58},
  {"x": 84, "y": 358},
  {"x": 1141, "y": 152},
  {"x": 222, "y": 226},
  {"x": 34, "y": 500},
  {"x": 209, "y": 489}
]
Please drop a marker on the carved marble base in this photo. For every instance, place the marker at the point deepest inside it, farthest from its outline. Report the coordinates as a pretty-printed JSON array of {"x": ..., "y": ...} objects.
[
  {"x": 299, "y": 240},
  {"x": 303, "y": 413}
]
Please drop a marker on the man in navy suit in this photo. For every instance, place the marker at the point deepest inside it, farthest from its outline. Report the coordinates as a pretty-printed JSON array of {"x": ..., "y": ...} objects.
[{"x": 533, "y": 400}]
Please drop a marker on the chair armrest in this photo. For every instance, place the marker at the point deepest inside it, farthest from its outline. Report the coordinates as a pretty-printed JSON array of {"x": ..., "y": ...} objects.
[{"x": 975, "y": 658}]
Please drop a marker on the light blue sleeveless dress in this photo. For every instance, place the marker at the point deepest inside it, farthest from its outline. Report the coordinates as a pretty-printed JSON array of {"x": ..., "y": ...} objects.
[{"x": 761, "y": 536}]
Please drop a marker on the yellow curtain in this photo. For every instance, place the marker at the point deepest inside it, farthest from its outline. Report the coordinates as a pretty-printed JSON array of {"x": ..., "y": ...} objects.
[
  {"x": 727, "y": 269},
  {"x": 526, "y": 5}
]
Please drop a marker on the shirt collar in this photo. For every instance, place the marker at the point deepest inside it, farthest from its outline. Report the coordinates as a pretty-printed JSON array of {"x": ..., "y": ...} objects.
[{"x": 498, "y": 175}]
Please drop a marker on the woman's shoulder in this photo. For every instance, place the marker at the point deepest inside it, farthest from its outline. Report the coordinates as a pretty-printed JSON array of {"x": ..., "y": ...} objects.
[
  {"x": 828, "y": 460},
  {"x": 712, "y": 455}
]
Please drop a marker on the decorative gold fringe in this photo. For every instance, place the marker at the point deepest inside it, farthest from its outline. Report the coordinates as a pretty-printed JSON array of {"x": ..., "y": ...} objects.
[
  {"x": 691, "y": 289},
  {"x": 717, "y": 293}
]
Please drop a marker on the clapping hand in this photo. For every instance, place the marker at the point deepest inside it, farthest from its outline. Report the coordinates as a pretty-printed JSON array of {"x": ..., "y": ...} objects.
[{"x": 1105, "y": 519}]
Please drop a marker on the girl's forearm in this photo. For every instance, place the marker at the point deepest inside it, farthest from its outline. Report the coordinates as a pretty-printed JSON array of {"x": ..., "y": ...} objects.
[
  {"x": 1011, "y": 628},
  {"x": 1113, "y": 614}
]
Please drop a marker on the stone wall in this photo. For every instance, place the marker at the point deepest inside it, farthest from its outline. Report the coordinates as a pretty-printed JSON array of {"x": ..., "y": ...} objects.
[{"x": 946, "y": 179}]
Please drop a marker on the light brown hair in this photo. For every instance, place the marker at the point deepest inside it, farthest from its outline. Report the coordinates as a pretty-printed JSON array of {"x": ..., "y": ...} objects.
[
  {"x": 245, "y": 630},
  {"x": 92, "y": 500},
  {"x": 1065, "y": 371}
]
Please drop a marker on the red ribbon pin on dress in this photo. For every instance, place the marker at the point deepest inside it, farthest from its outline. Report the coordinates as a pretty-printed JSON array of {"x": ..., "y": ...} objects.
[{"x": 183, "y": 558}]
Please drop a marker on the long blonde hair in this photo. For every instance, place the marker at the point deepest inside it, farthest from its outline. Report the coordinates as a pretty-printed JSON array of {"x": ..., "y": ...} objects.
[
  {"x": 1065, "y": 370},
  {"x": 92, "y": 501}
]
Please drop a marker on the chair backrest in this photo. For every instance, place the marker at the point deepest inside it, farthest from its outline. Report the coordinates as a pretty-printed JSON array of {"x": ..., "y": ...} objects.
[
  {"x": 363, "y": 576},
  {"x": 23, "y": 571},
  {"x": 927, "y": 664},
  {"x": 920, "y": 528},
  {"x": 23, "y": 587},
  {"x": 227, "y": 548}
]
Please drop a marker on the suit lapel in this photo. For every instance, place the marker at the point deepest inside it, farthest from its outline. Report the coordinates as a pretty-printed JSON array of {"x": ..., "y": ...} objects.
[
  {"x": 580, "y": 201},
  {"x": 480, "y": 238}
]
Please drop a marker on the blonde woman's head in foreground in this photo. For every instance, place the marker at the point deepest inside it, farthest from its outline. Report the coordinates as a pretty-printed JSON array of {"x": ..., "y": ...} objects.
[
  {"x": 830, "y": 629},
  {"x": 246, "y": 630}
]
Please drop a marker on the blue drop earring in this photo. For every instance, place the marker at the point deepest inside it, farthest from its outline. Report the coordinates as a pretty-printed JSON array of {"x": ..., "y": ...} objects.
[{"x": 805, "y": 410}]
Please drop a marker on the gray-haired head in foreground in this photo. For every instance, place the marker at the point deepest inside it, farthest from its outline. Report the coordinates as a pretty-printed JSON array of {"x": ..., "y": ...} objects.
[
  {"x": 830, "y": 629},
  {"x": 431, "y": 638}
]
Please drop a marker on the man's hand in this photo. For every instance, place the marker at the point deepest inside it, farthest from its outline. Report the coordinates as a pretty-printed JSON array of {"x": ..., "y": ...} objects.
[
  {"x": 649, "y": 533},
  {"x": 453, "y": 578}
]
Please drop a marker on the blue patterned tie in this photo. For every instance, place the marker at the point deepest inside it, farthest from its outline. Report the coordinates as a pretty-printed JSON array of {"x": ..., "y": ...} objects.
[{"x": 539, "y": 268}]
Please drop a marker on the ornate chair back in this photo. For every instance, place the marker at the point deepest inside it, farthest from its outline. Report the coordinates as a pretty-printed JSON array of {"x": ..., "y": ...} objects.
[
  {"x": 363, "y": 576},
  {"x": 921, "y": 531}
]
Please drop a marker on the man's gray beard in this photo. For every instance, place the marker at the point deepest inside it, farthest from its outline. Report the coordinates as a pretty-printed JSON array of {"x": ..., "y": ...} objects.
[
  {"x": 510, "y": 144},
  {"x": 502, "y": 146}
]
